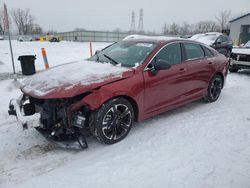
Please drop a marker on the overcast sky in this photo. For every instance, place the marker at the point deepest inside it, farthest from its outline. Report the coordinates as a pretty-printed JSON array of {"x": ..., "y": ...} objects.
[{"x": 65, "y": 15}]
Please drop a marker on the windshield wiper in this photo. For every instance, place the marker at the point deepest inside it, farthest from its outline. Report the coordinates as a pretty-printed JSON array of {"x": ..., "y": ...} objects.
[{"x": 111, "y": 59}]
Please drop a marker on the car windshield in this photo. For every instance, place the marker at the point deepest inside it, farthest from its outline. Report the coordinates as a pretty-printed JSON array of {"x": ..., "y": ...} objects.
[
  {"x": 247, "y": 44},
  {"x": 126, "y": 53}
]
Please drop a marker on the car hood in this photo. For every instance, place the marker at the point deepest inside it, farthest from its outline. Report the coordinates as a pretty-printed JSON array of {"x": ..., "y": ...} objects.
[
  {"x": 72, "y": 79},
  {"x": 241, "y": 50}
]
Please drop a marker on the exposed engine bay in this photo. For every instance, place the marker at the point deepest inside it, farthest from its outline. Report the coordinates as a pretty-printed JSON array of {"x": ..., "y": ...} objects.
[{"x": 58, "y": 122}]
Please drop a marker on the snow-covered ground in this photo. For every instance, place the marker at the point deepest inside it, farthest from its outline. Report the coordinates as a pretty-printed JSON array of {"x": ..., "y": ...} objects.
[
  {"x": 197, "y": 145},
  {"x": 57, "y": 53}
]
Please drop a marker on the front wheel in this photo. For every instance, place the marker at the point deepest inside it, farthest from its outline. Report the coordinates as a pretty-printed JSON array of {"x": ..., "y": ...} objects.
[
  {"x": 113, "y": 121},
  {"x": 214, "y": 89}
]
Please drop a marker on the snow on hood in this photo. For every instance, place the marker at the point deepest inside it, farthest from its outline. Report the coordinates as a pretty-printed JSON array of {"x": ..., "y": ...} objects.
[
  {"x": 71, "y": 79},
  {"x": 241, "y": 51}
]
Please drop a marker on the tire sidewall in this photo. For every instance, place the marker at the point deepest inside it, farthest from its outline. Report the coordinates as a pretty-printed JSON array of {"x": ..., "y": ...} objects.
[
  {"x": 209, "y": 98},
  {"x": 102, "y": 112}
]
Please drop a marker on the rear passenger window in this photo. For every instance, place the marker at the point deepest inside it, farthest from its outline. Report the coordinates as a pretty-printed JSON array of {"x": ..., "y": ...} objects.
[
  {"x": 208, "y": 53},
  {"x": 171, "y": 53},
  {"x": 193, "y": 51}
]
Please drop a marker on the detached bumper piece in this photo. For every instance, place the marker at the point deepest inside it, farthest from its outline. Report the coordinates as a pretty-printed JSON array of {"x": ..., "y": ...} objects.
[
  {"x": 68, "y": 142},
  {"x": 25, "y": 111},
  {"x": 19, "y": 108}
]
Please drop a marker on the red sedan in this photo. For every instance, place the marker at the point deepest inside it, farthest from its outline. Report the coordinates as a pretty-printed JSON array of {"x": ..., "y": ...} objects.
[{"x": 126, "y": 82}]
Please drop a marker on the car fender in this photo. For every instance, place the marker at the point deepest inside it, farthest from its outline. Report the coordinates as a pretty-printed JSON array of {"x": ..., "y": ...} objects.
[{"x": 97, "y": 98}]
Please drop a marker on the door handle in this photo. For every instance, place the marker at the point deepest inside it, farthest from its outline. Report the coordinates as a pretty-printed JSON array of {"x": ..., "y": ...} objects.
[
  {"x": 210, "y": 62},
  {"x": 182, "y": 70}
]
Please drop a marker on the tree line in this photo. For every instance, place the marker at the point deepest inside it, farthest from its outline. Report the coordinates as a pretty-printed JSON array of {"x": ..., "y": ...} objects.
[
  {"x": 220, "y": 23},
  {"x": 22, "y": 20},
  {"x": 25, "y": 24}
]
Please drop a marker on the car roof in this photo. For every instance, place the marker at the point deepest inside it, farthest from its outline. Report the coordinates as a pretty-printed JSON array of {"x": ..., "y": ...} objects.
[{"x": 153, "y": 39}]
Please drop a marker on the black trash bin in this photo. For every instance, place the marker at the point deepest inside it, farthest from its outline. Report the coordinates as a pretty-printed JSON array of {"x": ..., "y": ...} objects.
[{"x": 27, "y": 64}]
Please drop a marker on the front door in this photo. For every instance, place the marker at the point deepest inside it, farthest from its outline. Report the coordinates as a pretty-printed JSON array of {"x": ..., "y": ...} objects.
[{"x": 166, "y": 87}]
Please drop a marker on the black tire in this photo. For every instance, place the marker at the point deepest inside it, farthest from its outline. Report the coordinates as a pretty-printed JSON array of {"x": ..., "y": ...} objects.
[
  {"x": 228, "y": 53},
  {"x": 233, "y": 69},
  {"x": 214, "y": 89},
  {"x": 113, "y": 121}
]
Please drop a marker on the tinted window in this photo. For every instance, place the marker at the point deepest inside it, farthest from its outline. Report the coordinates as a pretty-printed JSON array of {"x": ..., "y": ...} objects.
[
  {"x": 193, "y": 51},
  {"x": 171, "y": 53},
  {"x": 219, "y": 39},
  {"x": 224, "y": 39},
  {"x": 208, "y": 53}
]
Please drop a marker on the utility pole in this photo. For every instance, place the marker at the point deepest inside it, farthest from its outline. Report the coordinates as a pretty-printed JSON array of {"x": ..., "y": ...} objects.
[{"x": 7, "y": 26}]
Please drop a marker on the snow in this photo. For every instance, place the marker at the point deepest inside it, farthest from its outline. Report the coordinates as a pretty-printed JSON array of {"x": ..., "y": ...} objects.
[
  {"x": 138, "y": 37},
  {"x": 247, "y": 44},
  {"x": 206, "y": 38},
  {"x": 241, "y": 51},
  {"x": 197, "y": 145},
  {"x": 57, "y": 53},
  {"x": 71, "y": 74}
]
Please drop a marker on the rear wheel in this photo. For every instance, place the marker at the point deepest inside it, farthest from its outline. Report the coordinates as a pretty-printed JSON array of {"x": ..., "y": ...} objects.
[
  {"x": 214, "y": 89},
  {"x": 113, "y": 121}
]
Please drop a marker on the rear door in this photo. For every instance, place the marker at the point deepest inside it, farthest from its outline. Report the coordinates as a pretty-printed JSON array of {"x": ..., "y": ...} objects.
[
  {"x": 201, "y": 66},
  {"x": 167, "y": 86}
]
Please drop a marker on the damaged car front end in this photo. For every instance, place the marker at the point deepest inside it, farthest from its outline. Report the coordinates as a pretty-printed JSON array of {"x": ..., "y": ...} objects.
[
  {"x": 53, "y": 100},
  {"x": 240, "y": 58},
  {"x": 56, "y": 119}
]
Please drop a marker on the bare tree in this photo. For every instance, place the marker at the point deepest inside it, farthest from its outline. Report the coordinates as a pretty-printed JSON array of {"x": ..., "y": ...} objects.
[
  {"x": 2, "y": 28},
  {"x": 223, "y": 19},
  {"x": 174, "y": 29},
  {"x": 36, "y": 29},
  {"x": 184, "y": 29},
  {"x": 165, "y": 29},
  {"x": 23, "y": 20},
  {"x": 206, "y": 26}
]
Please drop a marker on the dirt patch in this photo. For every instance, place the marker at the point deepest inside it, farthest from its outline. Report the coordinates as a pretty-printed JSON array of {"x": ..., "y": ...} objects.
[
  {"x": 5, "y": 76},
  {"x": 36, "y": 151}
]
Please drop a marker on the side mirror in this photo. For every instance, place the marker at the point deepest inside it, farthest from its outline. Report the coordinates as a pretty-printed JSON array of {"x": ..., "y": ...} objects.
[
  {"x": 161, "y": 65},
  {"x": 218, "y": 43},
  {"x": 97, "y": 52}
]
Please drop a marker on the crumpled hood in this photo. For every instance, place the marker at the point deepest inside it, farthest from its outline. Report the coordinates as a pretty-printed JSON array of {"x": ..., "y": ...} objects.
[
  {"x": 72, "y": 79},
  {"x": 241, "y": 50}
]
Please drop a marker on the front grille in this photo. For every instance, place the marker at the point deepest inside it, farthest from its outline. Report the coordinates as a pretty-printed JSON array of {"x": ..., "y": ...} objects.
[{"x": 241, "y": 57}]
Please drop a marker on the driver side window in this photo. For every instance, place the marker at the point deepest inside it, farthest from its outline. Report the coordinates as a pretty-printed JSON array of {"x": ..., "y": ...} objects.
[{"x": 171, "y": 53}]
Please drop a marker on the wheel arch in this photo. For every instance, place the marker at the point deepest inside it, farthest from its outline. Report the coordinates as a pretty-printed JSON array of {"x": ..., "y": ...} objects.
[
  {"x": 222, "y": 76},
  {"x": 97, "y": 99}
]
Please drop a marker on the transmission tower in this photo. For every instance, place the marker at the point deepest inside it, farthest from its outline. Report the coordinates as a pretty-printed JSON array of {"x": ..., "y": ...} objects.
[
  {"x": 140, "y": 25},
  {"x": 132, "y": 27}
]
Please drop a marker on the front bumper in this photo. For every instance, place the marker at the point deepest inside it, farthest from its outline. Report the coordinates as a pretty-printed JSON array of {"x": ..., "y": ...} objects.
[
  {"x": 18, "y": 107},
  {"x": 240, "y": 64},
  {"x": 25, "y": 112}
]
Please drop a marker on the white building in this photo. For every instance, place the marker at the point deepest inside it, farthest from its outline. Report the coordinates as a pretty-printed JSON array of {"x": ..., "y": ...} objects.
[{"x": 240, "y": 29}]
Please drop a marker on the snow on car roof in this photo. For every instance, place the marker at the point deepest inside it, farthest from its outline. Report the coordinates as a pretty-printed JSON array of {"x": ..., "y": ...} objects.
[
  {"x": 206, "y": 38},
  {"x": 158, "y": 38}
]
